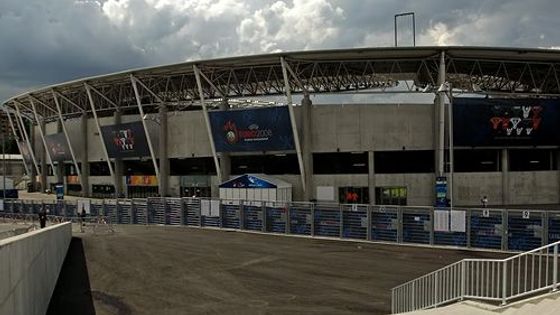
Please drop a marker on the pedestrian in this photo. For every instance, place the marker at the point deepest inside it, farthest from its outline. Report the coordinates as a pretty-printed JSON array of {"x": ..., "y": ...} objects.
[
  {"x": 43, "y": 218},
  {"x": 484, "y": 201}
]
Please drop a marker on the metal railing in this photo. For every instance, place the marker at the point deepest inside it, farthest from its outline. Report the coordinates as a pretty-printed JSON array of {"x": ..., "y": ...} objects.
[
  {"x": 492, "y": 280},
  {"x": 500, "y": 229}
]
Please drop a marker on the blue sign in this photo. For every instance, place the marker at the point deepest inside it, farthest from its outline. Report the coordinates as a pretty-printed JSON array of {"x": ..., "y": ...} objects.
[
  {"x": 59, "y": 188},
  {"x": 503, "y": 122},
  {"x": 441, "y": 192},
  {"x": 262, "y": 129},
  {"x": 247, "y": 181}
]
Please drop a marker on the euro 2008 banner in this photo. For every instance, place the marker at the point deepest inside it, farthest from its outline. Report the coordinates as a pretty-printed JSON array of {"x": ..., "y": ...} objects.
[
  {"x": 261, "y": 129},
  {"x": 125, "y": 140},
  {"x": 505, "y": 122}
]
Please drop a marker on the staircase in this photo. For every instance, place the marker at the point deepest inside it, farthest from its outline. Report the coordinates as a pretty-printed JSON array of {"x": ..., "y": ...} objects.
[{"x": 496, "y": 281}]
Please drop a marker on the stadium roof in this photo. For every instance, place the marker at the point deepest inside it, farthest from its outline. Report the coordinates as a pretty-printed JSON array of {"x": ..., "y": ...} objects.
[{"x": 488, "y": 70}]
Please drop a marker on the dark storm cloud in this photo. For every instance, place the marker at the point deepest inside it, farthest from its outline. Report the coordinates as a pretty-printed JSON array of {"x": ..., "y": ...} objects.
[{"x": 49, "y": 41}]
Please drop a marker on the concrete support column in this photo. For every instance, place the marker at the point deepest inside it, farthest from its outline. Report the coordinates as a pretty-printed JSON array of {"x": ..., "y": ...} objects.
[
  {"x": 118, "y": 161},
  {"x": 59, "y": 172},
  {"x": 34, "y": 174},
  {"x": 43, "y": 156},
  {"x": 84, "y": 154},
  {"x": 225, "y": 160},
  {"x": 163, "y": 156},
  {"x": 439, "y": 118},
  {"x": 505, "y": 176},
  {"x": 306, "y": 148},
  {"x": 371, "y": 177}
]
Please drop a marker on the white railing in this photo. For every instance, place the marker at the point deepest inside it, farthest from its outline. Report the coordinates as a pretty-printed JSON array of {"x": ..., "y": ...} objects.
[{"x": 492, "y": 280}]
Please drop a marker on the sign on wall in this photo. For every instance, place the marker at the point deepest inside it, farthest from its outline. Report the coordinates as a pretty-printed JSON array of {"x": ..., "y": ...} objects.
[
  {"x": 125, "y": 140},
  {"x": 262, "y": 129},
  {"x": 502, "y": 122},
  {"x": 141, "y": 180},
  {"x": 58, "y": 147}
]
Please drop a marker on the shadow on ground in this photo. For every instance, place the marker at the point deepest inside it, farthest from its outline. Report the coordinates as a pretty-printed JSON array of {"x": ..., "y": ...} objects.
[{"x": 72, "y": 294}]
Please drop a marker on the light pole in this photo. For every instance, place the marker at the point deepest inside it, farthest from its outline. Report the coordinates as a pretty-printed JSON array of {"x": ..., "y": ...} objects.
[
  {"x": 447, "y": 89},
  {"x": 413, "y": 27}
]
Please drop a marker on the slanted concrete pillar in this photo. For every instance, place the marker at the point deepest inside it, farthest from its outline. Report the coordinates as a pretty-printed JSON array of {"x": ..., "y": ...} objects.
[
  {"x": 225, "y": 160},
  {"x": 118, "y": 161},
  {"x": 306, "y": 147},
  {"x": 371, "y": 177},
  {"x": 36, "y": 186},
  {"x": 84, "y": 154},
  {"x": 43, "y": 156},
  {"x": 163, "y": 157},
  {"x": 505, "y": 177},
  {"x": 60, "y": 166}
]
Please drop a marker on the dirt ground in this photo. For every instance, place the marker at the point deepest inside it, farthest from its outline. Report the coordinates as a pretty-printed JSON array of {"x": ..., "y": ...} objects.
[{"x": 178, "y": 270}]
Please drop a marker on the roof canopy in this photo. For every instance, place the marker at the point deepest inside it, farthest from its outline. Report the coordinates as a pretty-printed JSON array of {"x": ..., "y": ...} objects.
[{"x": 517, "y": 71}]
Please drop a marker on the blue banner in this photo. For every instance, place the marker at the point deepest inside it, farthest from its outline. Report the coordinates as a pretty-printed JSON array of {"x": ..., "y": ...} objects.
[
  {"x": 503, "y": 122},
  {"x": 262, "y": 129}
]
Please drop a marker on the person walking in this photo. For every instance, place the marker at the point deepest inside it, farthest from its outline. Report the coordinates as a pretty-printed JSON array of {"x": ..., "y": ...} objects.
[
  {"x": 43, "y": 218},
  {"x": 484, "y": 201}
]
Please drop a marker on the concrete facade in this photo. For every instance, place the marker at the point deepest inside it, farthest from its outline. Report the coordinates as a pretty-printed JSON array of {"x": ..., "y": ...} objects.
[
  {"x": 367, "y": 128},
  {"x": 29, "y": 267}
]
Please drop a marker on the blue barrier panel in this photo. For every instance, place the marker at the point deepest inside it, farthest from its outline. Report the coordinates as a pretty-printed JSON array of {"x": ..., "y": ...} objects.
[
  {"x": 27, "y": 207},
  {"x": 253, "y": 218},
  {"x": 276, "y": 218},
  {"x": 327, "y": 220},
  {"x": 210, "y": 212},
  {"x": 553, "y": 227},
  {"x": 111, "y": 211},
  {"x": 59, "y": 208},
  {"x": 486, "y": 229},
  {"x": 525, "y": 230},
  {"x": 139, "y": 211},
  {"x": 9, "y": 206},
  {"x": 156, "y": 210},
  {"x": 230, "y": 215},
  {"x": 354, "y": 221},
  {"x": 455, "y": 234},
  {"x": 96, "y": 209},
  {"x": 192, "y": 211},
  {"x": 173, "y": 209},
  {"x": 384, "y": 224},
  {"x": 124, "y": 210},
  {"x": 16, "y": 207},
  {"x": 300, "y": 219},
  {"x": 49, "y": 208},
  {"x": 71, "y": 210},
  {"x": 416, "y": 226},
  {"x": 37, "y": 207}
]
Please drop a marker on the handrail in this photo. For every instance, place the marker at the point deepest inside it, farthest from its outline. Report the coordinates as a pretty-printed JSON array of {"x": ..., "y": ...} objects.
[{"x": 490, "y": 280}]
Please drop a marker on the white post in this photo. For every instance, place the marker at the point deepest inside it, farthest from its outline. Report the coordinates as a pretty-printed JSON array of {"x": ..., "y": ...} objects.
[
  {"x": 17, "y": 141},
  {"x": 26, "y": 137},
  {"x": 78, "y": 171},
  {"x": 555, "y": 270},
  {"x": 41, "y": 133},
  {"x": 148, "y": 139},
  {"x": 105, "y": 152},
  {"x": 207, "y": 122},
  {"x": 293, "y": 120}
]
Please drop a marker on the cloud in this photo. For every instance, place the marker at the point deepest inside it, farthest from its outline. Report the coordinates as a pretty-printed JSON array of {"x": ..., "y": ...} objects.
[{"x": 50, "y": 41}]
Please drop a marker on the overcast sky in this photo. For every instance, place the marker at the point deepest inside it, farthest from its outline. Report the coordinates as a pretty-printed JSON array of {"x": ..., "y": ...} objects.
[{"x": 50, "y": 41}]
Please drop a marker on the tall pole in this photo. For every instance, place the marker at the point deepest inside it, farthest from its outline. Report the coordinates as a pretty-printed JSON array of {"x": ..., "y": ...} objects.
[
  {"x": 450, "y": 129},
  {"x": 4, "y": 164}
]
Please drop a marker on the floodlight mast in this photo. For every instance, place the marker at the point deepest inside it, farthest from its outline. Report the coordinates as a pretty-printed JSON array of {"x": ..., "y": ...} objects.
[{"x": 413, "y": 27}]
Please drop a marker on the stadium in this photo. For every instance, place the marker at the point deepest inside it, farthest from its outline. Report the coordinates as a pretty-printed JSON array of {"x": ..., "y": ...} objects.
[{"x": 324, "y": 125}]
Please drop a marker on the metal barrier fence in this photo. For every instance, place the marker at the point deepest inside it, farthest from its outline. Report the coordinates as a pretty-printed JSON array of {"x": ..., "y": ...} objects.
[
  {"x": 482, "y": 279},
  {"x": 516, "y": 230}
]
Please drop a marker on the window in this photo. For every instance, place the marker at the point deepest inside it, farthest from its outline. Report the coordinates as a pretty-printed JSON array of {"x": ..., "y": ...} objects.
[
  {"x": 353, "y": 195},
  {"x": 392, "y": 162},
  {"x": 138, "y": 167},
  {"x": 390, "y": 196},
  {"x": 476, "y": 160},
  {"x": 103, "y": 191},
  {"x": 99, "y": 169},
  {"x": 276, "y": 164},
  {"x": 340, "y": 163},
  {"x": 192, "y": 166},
  {"x": 70, "y": 169},
  {"x": 532, "y": 160}
]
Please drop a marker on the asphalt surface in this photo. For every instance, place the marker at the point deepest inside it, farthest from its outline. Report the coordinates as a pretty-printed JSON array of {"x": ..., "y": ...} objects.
[{"x": 178, "y": 270}]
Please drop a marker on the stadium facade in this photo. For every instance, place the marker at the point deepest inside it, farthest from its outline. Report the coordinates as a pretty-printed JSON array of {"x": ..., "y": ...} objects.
[{"x": 184, "y": 129}]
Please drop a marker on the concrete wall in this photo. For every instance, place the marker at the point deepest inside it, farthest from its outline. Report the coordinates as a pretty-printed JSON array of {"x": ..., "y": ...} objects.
[
  {"x": 469, "y": 188},
  {"x": 29, "y": 268},
  {"x": 533, "y": 187}
]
